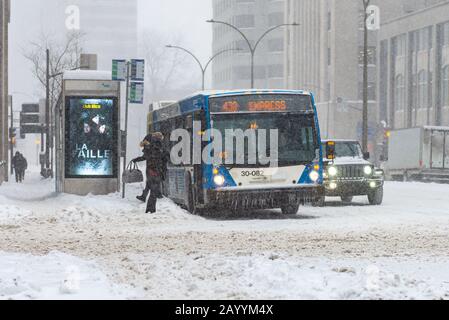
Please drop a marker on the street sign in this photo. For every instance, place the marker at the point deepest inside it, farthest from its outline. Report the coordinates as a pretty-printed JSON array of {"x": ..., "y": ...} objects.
[
  {"x": 30, "y": 129},
  {"x": 136, "y": 93},
  {"x": 30, "y": 108},
  {"x": 119, "y": 70},
  {"x": 30, "y": 119},
  {"x": 138, "y": 70}
]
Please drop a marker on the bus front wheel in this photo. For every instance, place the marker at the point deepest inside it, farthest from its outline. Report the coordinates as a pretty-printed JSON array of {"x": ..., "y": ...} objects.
[{"x": 290, "y": 210}]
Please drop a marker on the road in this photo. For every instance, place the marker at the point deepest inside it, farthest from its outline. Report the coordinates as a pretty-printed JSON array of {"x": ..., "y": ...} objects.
[{"x": 397, "y": 250}]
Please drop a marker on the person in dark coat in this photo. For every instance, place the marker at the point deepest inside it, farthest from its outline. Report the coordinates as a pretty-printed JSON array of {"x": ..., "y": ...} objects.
[
  {"x": 20, "y": 165},
  {"x": 156, "y": 158}
]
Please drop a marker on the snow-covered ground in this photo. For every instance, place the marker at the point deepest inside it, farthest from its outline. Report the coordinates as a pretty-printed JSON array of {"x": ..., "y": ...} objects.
[{"x": 113, "y": 250}]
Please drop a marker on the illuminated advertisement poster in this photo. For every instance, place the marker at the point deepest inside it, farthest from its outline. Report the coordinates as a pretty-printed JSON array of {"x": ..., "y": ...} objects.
[{"x": 91, "y": 137}]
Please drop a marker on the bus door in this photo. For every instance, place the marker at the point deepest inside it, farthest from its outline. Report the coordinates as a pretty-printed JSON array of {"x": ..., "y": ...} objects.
[{"x": 198, "y": 177}]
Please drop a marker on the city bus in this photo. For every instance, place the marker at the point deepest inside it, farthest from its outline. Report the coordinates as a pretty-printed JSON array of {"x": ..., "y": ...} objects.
[{"x": 210, "y": 182}]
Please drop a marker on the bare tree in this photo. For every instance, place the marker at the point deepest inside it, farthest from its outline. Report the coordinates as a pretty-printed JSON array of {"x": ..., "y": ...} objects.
[
  {"x": 166, "y": 69},
  {"x": 64, "y": 55}
]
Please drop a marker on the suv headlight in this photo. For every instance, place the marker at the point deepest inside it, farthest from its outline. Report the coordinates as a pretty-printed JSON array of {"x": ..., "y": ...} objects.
[
  {"x": 332, "y": 171},
  {"x": 378, "y": 173},
  {"x": 368, "y": 170}
]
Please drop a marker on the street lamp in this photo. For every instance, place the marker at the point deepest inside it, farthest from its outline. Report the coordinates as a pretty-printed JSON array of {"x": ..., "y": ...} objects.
[
  {"x": 203, "y": 68},
  {"x": 252, "y": 48}
]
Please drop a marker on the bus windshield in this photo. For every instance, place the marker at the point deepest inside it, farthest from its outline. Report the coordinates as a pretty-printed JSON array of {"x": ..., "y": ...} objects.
[{"x": 297, "y": 138}]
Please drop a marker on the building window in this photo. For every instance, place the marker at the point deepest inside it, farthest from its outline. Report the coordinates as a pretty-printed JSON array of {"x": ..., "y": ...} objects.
[
  {"x": 445, "y": 86},
  {"x": 399, "y": 45},
  {"x": 242, "y": 45},
  {"x": 371, "y": 91},
  {"x": 399, "y": 93},
  {"x": 275, "y": 19},
  {"x": 422, "y": 89},
  {"x": 276, "y": 71},
  {"x": 245, "y": 21},
  {"x": 372, "y": 55},
  {"x": 276, "y": 45},
  {"x": 244, "y": 73}
]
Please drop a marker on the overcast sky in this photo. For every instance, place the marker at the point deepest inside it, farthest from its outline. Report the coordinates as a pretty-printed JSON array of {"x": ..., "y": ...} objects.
[
  {"x": 187, "y": 17},
  {"x": 179, "y": 17}
]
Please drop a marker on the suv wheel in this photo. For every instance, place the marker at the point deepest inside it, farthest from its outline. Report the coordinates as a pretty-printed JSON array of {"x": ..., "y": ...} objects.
[
  {"x": 290, "y": 210},
  {"x": 376, "y": 197},
  {"x": 320, "y": 202}
]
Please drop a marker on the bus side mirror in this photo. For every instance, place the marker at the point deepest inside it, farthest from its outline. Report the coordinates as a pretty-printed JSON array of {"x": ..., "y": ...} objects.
[{"x": 330, "y": 150}]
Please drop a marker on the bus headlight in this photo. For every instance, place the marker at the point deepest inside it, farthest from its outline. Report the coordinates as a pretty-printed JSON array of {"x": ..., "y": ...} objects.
[
  {"x": 332, "y": 171},
  {"x": 314, "y": 176},
  {"x": 368, "y": 170},
  {"x": 219, "y": 180}
]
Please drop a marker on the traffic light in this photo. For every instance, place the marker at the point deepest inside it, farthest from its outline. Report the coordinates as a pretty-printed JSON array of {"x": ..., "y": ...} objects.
[
  {"x": 12, "y": 133},
  {"x": 12, "y": 136},
  {"x": 385, "y": 143}
]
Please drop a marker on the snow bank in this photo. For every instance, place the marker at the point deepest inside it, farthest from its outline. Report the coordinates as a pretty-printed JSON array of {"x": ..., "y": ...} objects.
[
  {"x": 54, "y": 277},
  {"x": 273, "y": 276},
  {"x": 10, "y": 214}
]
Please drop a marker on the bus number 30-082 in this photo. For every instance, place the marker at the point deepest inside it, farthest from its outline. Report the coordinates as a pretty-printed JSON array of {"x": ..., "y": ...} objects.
[{"x": 256, "y": 173}]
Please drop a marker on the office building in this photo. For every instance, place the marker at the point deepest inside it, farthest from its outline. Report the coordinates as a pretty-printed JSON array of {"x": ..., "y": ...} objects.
[{"x": 253, "y": 17}]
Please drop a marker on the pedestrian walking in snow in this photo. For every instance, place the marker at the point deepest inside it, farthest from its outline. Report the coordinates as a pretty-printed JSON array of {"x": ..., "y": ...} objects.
[
  {"x": 156, "y": 158},
  {"x": 20, "y": 165}
]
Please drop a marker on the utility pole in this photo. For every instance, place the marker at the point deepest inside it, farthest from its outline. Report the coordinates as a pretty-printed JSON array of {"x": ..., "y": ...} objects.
[
  {"x": 11, "y": 138},
  {"x": 365, "y": 77},
  {"x": 47, "y": 116},
  {"x": 253, "y": 48},
  {"x": 128, "y": 76}
]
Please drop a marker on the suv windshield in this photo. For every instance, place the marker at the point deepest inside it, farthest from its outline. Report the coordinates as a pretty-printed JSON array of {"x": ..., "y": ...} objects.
[{"x": 347, "y": 150}]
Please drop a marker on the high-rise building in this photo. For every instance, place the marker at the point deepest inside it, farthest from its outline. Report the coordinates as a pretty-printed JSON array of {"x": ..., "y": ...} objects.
[
  {"x": 253, "y": 17},
  {"x": 109, "y": 27},
  {"x": 4, "y": 135},
  {"x": 414, "y": 67},
  {"x": 325, "y": 55}
]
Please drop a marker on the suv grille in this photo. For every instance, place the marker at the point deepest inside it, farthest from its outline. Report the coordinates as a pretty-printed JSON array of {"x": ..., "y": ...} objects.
[{"x": 351, "y": 171}]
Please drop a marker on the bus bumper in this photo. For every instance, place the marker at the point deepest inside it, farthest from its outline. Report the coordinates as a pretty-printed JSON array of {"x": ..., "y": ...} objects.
[
  {"x": 344, "y": 188},
  {"x": 234, "y": 198}
]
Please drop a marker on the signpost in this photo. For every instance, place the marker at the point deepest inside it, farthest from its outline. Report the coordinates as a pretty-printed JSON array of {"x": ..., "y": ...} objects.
[
  {"x": 138, "y": 70},
  {"x": 30, "y": 119},
  {"x": 133, "y": 72},
  {"x": 136, "y": 92},
  {"x": 119, "y": 70}
]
